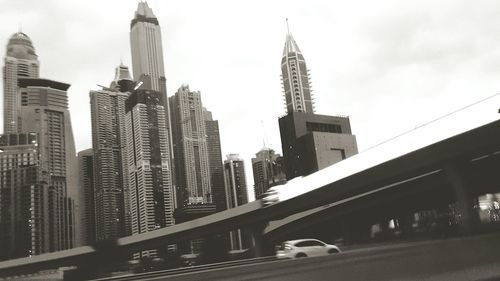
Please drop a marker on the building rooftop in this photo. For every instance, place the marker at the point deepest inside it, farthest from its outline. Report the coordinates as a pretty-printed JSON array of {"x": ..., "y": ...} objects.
[
  {"x": 144, "y": 14},
  {"x": 21, "y": 47},
  {"x": 40, "y": 82}
]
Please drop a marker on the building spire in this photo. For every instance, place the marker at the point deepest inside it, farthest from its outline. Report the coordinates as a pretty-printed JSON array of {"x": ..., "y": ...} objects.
[
  {"x": 290, "y": 44},
  {"x": 295, "y": 77}
]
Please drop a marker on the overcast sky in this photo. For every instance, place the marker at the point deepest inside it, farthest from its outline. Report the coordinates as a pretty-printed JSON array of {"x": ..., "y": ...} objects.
[{"x": 389, "y": 65}]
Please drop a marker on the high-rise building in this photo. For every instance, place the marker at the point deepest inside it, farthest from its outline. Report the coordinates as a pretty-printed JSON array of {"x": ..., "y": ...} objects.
[
  {"x": 21, "y": 61},
  {"x": 218, "y": 186},
  {"x": 86, "y": 177},
  {"x": 198, "y": 161},
  {"x": 44, "y": 109},
  {"x": 107, "y": 107},
  {"x": 147, "y": 61},
  {"x": 295, "y": 78},
  {"x": 146, "y": 47},
  {"x": 236, "y": 183},
  {"x": 309, "y": 141},
  {"x": 236, "y": 194},
  {"x": 190, "y": 148},
  {"x": 150, "y": 176},
  {"x": 268, "y": 170},
  {"x": 23, "y": 198}
]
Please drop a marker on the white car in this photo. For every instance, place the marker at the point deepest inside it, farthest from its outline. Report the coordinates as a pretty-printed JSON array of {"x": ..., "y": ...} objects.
[{"x": 305, "y": 248}]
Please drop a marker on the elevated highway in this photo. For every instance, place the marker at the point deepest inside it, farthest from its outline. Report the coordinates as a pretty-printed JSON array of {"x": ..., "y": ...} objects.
[{"x": 446, "y": 165}]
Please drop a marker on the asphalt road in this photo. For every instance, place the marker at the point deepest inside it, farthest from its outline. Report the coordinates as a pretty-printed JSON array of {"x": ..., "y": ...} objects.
[{"x": 467, "y": 258}]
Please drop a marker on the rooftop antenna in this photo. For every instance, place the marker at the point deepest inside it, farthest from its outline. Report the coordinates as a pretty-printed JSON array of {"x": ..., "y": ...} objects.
[
  {"x": 287, "y": 27},
  {"x": 20, "y": 27}
]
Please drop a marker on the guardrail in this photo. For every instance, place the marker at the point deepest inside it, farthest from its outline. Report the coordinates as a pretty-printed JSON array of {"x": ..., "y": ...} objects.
[{"x": 191, "y": 269}]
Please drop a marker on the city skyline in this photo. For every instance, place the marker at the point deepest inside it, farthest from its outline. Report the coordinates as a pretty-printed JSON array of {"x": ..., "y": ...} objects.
[{"x": 372, "y": 64}]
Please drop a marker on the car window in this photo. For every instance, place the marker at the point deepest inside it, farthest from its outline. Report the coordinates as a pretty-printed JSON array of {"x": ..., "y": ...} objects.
[
  {"x": 315, "y": 243},
  {"x": 302, "y": 244},
  {"x": 309, "y": 243}
]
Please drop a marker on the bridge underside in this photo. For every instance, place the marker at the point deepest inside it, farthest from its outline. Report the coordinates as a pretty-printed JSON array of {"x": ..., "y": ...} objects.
[{"x": 438, "y": 203}]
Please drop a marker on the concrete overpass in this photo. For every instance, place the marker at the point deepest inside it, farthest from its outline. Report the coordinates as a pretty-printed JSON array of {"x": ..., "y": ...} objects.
[
  {"x": 377, "y": 173},
  {"x": 456, "y": 168}
]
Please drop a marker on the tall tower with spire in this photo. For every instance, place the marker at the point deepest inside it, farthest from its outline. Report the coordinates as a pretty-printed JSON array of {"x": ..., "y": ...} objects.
[
  {"x": 21, "y": 61},
  {"x": 309, "y": 141},
  {"x": 295, "y": 78}
]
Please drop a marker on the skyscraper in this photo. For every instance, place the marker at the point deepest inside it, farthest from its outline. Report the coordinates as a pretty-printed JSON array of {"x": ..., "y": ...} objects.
[
  {"x": 86, "y": 177},
  {"x": 295, "y": 78},
  {"x": 215, "y": 162},
  {"x": 190, "y": 148},
  {"x": 268, "y": 170},
  {"x": 146, "y": 47},
  {"x": 309, "y": 141},
  {"x": 236, "y": 182},
  {"x": 21, "y": 61},
  {"x": 44, "y": 109},
  {"x": 236, "y": 194},
  {"x": 107, "y": 107},
  {"x": 198, "y": 161},
  {"x": 147, "y": 61},
  {"x": 150, "y": 176},
  {"x": 23, "y": 200}
]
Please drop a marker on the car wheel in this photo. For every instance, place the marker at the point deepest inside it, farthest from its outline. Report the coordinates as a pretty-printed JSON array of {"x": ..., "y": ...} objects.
[
  {"x": 333, "y": 251},
  {"x": 300, "y": 255}
]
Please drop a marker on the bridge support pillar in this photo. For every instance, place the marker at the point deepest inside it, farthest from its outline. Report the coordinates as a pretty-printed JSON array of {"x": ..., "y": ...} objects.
[
  {"x": 456, "y": 175},
  {"x": 256, "y": 235}
]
